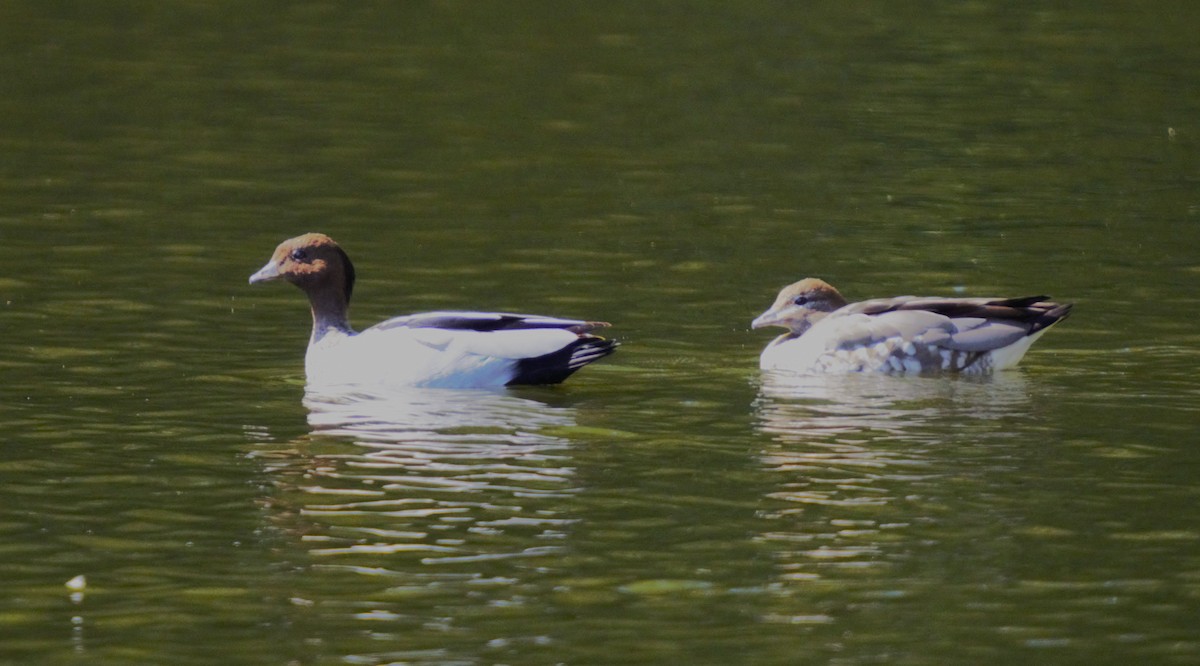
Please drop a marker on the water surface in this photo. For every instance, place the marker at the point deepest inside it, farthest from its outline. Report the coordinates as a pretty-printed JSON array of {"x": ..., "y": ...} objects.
[{"x": 662, "y": 167}]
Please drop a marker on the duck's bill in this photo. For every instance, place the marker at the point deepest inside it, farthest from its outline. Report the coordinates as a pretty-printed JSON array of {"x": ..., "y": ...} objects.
[
  {"x": 768, "y": 318},
  {"x": 266, "y": 273}
]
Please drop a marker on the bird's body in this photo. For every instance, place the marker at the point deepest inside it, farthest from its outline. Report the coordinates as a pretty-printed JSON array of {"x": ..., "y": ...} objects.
[
  {"x": 435, "y": 349},
  {"x": 905, "y": 334}
]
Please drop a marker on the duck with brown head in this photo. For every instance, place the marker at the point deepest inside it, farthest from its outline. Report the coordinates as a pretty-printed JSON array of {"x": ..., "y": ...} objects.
[
  {"x": 322, "y": 270},
  {"x": 436, "y": 349}
]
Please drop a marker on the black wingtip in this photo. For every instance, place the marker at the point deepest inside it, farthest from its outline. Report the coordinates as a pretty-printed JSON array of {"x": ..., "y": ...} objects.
[
  {"x": 1054, "y": 313},
  {"x": 556, "y": 366}
]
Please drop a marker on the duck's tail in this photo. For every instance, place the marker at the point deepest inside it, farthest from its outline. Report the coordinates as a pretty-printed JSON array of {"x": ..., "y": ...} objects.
[{"x": 556, "y": 366}]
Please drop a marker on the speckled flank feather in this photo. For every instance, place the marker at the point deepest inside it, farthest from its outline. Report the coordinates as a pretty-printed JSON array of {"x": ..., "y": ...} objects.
[
  {"x": 905, "y": 334},
  {"x": 896, "y": 355}
]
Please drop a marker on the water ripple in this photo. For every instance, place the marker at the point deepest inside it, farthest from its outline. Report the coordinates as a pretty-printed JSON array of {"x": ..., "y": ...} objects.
[
  {"x": 862, "y": 462},
  {"x": 407, "y": 480}
]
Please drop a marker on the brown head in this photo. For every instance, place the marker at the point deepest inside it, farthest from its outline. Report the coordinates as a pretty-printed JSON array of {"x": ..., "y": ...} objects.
[
  {"x": 316, "y": 264},
  {"x": 800, "y": 305}
]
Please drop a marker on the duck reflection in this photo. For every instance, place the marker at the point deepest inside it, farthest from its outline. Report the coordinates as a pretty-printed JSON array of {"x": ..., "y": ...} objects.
[
  {"x": 865, "y": 464},
  {"x": 388, "y": 482},
  {"x": 791, "y": 404},
  {"x": 399, "y": 415}
]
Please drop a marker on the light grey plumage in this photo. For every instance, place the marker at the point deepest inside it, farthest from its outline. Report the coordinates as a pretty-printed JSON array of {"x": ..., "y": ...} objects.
[{"x": 901, "y": 334}]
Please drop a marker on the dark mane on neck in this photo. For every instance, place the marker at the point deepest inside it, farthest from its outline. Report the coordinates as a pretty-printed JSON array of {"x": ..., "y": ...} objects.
[{"x": 349, "y": 286}]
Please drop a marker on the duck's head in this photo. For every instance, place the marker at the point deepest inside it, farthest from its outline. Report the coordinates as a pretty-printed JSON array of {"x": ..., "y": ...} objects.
[
  {"x": 800, "y": 305},
  {"x": 313, "y": 262}
]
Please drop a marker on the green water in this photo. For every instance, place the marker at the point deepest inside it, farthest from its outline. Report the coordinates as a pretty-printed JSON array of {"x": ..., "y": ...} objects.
[{"x": 663, "y": 166}]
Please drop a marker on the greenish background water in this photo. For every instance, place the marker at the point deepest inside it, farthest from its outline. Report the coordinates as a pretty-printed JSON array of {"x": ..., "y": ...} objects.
[{"x": 666, "y": 167}]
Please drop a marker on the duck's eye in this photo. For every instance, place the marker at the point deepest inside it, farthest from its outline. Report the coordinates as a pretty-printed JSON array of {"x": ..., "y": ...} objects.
[
  {"x": 800, "y": 300},
  {"x": 299, "y": 255}
]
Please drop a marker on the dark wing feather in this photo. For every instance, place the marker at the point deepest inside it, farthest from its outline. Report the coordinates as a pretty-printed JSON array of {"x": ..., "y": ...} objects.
[
  {"x": 555, "y": 367},
  {"x": 1033, "y": 312},
  {"x": 487, "y": 321}
]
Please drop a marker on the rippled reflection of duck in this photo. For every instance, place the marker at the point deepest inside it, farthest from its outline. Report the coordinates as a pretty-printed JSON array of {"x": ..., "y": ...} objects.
[
  {"x": 905, "y": 334},
  {"x": 452, "y": 416},
  {"x": 434, "y": 349},
  {"x": 869, "y": 469},
  {"x": 422, "y": 477}
]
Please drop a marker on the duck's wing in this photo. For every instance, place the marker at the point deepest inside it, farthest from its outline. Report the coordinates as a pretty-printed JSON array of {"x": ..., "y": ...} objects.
[
  {"x": 922, "y": 334},
  {"x": 486, "y": 322},
  {"x": 1027, "y": 314},
  {"x": 509, "y": 348}
]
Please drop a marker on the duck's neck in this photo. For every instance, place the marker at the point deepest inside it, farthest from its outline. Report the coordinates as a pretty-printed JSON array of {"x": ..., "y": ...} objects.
[
  {"x": 330, "y": 312},
  {"x": 801, "y": 326}
]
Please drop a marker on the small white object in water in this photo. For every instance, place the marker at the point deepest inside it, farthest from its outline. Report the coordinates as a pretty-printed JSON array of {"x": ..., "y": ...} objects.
[{"x": 77, "y": 583}]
